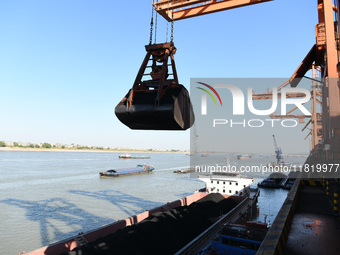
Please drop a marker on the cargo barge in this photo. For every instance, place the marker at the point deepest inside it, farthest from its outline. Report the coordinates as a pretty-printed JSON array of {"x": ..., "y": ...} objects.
[
  {"x": 184, "y": 171},
  {"x": 243, "y": 157},
  {"x": 140, "y": 169},
  {"x": 162, "y": 230},
  {"x": 274, "y": 181},
  {"x": 128, "y": 156}
]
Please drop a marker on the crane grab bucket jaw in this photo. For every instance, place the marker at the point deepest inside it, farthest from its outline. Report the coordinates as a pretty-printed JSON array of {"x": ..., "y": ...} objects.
[{"x": 158, "y": 103}]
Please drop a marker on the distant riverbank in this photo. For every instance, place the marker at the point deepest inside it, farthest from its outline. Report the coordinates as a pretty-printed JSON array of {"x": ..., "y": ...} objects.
[{"x": 87, "y": 150}]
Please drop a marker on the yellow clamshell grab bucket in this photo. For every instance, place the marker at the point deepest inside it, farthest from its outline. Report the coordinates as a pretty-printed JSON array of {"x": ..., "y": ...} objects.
[{"x": 158, "y": 103}]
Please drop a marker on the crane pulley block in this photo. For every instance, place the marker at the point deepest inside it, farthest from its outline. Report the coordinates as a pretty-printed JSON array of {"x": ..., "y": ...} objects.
[{"x": 157, "y": 103}]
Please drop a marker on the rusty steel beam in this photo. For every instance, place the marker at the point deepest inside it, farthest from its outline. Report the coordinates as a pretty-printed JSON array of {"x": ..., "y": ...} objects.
[
  {"x": 331, "y": 93},
  {"x": 292, "y": 110},
  {"x": 277, "y": 116},
  {"x": 306, "y": 124},
  {"x": 285, "y": 84},
  {"x": 300, "y": 117},
  {"x": 270, "y": 95},
  {"x": 172, "y": 4},
  {"x": 308, "y": 135},
  {"x": 315, "y": 116},
  {"x": 303, "y": 68},
  {"x": 187, "y": 9},
  {"x": 331, "y": 49}
]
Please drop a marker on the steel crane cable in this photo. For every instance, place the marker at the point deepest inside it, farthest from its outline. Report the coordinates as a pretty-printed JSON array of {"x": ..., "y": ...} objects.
[
  {"x": 167, "y": 24},
  {"x": 172, "y": 23},
  {"x": 156, "y": 28},
  {"x": 151, "y": 23}
]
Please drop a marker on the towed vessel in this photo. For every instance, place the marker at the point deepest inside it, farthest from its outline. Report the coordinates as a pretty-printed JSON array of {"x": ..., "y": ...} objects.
[
  {"x": 140, "y": 169},
  {"x": 243, "y": 157},
  {"x": 274, "y": 181},
  {"x": 290, "y": 180},
  {"x": 128, "y": 156},
  {"x": 184, "y": 171}
]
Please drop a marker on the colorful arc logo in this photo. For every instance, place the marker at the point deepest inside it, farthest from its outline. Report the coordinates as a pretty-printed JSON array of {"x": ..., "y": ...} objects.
[{"x": 209, "y": 93}]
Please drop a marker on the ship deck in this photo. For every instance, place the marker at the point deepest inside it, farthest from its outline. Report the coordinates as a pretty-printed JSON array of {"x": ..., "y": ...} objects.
[
  {"x": 315, "y": 229},
  {"x": 308, "y": 222}
]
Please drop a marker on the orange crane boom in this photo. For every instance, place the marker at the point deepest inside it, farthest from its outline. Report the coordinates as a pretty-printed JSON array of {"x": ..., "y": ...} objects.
[{"x": 183, "y": 9}]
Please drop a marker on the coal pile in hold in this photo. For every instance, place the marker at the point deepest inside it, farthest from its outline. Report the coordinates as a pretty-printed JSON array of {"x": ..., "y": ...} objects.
[{"x": 161, "y": 233}]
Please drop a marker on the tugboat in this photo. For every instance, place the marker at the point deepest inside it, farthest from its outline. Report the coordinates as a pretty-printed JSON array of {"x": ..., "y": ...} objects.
[{"x": 140, "y": 169}]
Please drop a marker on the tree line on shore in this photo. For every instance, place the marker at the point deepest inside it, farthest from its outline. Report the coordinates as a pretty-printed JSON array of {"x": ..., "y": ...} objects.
[
  {"x": 72, "y": 147},
  {"x": 49, "y": 146}
]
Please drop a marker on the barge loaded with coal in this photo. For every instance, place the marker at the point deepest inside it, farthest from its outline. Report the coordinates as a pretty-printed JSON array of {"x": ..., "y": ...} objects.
[
  {"x": 129, "y": 156},
  {"x": 140, "y": 169},
  {"x": 181, "y": 224}
]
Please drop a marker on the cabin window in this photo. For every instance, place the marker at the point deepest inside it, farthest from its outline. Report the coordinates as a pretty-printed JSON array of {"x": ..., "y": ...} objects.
[
  {"x": 229, "y": 183},
  {"x": 223, "y": 183},
  {"x": 224, "y": 191},
  {"x": 244, "y": 186},
  {"x": 218, "y": 182},
  {"x": 236, "y": 192},
  {"x": 241, "y": 193},
  {"x": 218, "y": 190},
  {"x": 229, "y": 191},
  {"x": 236, "y": 183},
  {"x": 212, "y": 181}
]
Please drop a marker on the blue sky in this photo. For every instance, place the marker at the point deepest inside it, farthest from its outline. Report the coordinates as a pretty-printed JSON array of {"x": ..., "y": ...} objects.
[{"x": 64, "y": 65}]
